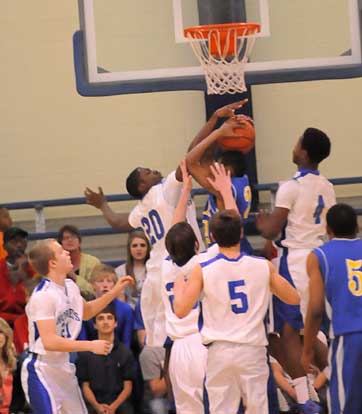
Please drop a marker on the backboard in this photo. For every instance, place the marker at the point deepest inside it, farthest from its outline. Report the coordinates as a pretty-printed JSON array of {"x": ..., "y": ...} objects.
[{"x": 138, "y": 46}]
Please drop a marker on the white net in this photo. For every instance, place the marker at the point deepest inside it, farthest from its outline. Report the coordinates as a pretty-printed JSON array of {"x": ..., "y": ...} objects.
[{"x": 223, "y": 55}]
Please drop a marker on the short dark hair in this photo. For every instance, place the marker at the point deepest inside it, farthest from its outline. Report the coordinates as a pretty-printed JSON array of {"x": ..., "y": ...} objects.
[
  {"x": 108, "y": 309},
  {"x": 69, "y": 228},
  {"x": 226, "y": 227},
  {"x": 235, "y": 160},
  {"x": 132, "y": 183},
  {"x": 180, "y": 243},
  {"x": 316, "y": 143},
  {"x": 342, "y": 220}
]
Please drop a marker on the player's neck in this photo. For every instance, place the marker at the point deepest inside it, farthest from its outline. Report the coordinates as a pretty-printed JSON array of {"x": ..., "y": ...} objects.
[
  {"x": 231, "y": 252},
  {"x": 308, "y": 166},
  {"x": 57, "y": 278},
  {"x": 106, "y": 336}
]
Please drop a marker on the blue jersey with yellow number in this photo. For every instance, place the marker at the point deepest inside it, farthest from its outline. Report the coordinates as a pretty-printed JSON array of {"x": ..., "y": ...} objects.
[
  {"x": 340, "y": 262},
  {"x": 242, "y": 194}
]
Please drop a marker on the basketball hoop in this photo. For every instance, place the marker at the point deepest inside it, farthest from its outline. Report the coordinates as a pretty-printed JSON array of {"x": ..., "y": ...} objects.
[{"x": 223, "y": 51}]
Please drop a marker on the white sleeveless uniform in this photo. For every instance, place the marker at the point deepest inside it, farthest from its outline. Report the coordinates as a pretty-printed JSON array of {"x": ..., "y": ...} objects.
[
  {"x": 187, "y": 366},
  {"x": 236, "y": 297},
  {"x": 48, "y": 378},
  {"x": 308, "y": 197},
  {"x": 154, "y": 213}
]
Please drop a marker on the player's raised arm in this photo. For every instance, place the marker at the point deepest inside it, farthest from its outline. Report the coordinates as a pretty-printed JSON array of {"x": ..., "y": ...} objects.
[
  {"x": 200, "y": 171},
  {"x": 93, "y": 307},
  {"x": 315, "y": 309},
  {"x": 180, "y": 210},
  {"x": 221, "y": 182},
  {"x": 98, "y": 200},
  {"x": 187, "y": 292},
  {"x": 281, "y": 288}
]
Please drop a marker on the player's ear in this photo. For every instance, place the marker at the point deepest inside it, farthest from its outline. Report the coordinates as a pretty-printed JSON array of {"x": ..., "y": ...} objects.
[
  {"x": 330, "y": 233},
  {"x": 212, "y": 238},
  {"x": 142, "y": 187},
  {"x": 197, "y": 246}
]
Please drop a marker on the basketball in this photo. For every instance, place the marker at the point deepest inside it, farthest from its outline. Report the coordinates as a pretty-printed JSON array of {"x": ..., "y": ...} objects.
[{"x": 243, "y": 143}]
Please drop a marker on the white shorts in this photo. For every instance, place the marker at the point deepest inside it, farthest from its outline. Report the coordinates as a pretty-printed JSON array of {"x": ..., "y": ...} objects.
[
  {"x": 51, "y": 387},
  {"x": 153, "y": 311},
  {"x": 235, "y": 372},
  {"x": 187, "y": 373}
]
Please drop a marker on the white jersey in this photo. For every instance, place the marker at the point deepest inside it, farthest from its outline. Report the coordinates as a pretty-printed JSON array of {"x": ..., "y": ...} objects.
[
  {"x": 307, "y": 196},
  {"x": 154, "y": 213},
  {"x": 64, "y": 304},
  {"x": 177, "y": 328},
  {"x": 236, "y": 298}
]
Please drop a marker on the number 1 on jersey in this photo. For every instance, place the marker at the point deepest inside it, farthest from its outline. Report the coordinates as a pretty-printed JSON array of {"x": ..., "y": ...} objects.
[
  {"x": 243, "y": 304},
  {"x": 318, "y": 210}
]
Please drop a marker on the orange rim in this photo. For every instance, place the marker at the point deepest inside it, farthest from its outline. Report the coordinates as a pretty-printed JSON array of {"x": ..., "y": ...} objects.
[{"x": 242, "y": 29}]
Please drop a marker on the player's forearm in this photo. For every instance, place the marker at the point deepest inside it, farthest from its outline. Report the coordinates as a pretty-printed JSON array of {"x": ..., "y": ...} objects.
[
  {"x": 59, "y": 344},
  {"x": 204, "y": 132},
  {"x": 182, "y": 304},
  {"x": 180, "y": 210},
  {"x": 312, "y": 324},
  {"x": 284, "y": 384},
  {"x": 228, "y": 199},
  {"x": 118, "y": 221},
  {"x": 283, "y": 289},
  {"x": 194, "y": 156},
  {"x": 93, "y": 307},
  {"x": 124, "y": 394}
]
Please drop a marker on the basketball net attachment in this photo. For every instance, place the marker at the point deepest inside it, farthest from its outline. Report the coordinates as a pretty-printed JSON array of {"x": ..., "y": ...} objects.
[{"x": 223, "y": 51}]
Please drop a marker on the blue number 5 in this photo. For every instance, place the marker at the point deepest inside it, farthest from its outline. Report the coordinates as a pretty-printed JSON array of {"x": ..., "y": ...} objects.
[{"x": 241, "y": 296}]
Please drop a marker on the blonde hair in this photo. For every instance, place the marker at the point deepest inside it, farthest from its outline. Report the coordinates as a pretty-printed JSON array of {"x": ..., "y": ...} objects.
[
  {"x": 102, "y": 270},
  {"x": 8, "y": 351},
  {"x": 40, "y": 255}
]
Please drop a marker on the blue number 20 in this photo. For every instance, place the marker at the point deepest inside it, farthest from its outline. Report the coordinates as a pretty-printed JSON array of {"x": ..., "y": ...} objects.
[
  {"x": 241, "y": 296},
  {"x": 153, "y": 226}
]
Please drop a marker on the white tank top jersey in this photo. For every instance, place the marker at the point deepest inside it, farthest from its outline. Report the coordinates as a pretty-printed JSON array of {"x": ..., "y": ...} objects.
[
  {"x": 308, "y": 196},
  {"x": 236, "y": 298},
  {"x": 154, "y": 213},
  {"x": 64, "y": 304},
  {"x": 177, "y": 328}
]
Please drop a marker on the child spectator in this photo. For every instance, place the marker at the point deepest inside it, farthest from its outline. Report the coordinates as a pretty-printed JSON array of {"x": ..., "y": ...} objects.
[
  {"x": 103, "y": 279},
  {"x": 138, "y": 252},
  {"x": 107, "y": 379},
  {"x": 7, "y": 366},
  {"x": 5, "y": 224},
  {"x": 13, "y": 271},
  {"x": 83, "y": 263}
]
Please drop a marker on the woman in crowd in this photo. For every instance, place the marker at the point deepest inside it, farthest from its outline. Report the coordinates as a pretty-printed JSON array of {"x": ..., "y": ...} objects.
[
  {"x": 7, "y": 366},
  {"x": 138, "y": 252}
]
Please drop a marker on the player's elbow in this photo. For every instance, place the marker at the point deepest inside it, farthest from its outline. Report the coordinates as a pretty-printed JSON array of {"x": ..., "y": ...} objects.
[
  {"x": 180, "y": 310},
  {"x": 49, "y": 343}
]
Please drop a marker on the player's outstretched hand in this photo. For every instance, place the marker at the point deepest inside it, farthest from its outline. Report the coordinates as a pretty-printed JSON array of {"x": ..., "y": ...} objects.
[
  {"x": 101, "y": 347},
  {"x": 221, "y": 179},
  {"x": 228, "y": 111},
  {"x": 228, "y": 128},
  {"x": 123, "y": 282},
  {"x": 95, "y": 199},
  {"x": 186, "y": 177}
]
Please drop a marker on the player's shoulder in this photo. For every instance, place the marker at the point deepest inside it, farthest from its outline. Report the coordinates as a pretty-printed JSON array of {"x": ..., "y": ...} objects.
[{"x": 71, "y": 285}]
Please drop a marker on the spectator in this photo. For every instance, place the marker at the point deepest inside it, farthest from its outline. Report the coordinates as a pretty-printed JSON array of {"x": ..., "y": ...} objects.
[
  {"x": 7, "y": 366},
  {"x": 103, "y": 279},
  {"x": 152, "y": 364},
  {"x": 107, "y": 379},
  {"x": 138, "y": 252},
  {"x": 5, "y": 224},
  {"x": 13, "y": 271},
  {"x": 83, "y": 263}
]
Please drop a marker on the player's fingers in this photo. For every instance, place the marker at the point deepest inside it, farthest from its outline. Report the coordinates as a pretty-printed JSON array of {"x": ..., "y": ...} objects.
[
  {"x": 218, "y": 168},
  {"x": 213, "y": 169},
  {"x": 100, "y": 189}
]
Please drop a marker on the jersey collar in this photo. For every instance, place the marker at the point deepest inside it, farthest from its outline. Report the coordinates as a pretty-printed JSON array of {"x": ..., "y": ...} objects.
[{"x": 304, "y": 171}]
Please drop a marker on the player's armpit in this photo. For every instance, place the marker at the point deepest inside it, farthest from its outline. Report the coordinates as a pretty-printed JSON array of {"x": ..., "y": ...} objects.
[
  {"x": 187, "y": 293},
  {"x": 281, "y": 288}
]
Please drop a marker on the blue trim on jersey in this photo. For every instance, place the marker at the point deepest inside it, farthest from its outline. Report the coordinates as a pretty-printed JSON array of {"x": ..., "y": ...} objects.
[
  {"x": 302, "y": 172},
  {"x": 200, "y": 322},
  {"x": 41, "y": 284},
  {"x": 36, "y": 331},
  {"x": 38, "y": 395},
  {"x": 168, "y": 343},
  {"x": 221, "y": 256},
  {"x": 210, "y": 261}
]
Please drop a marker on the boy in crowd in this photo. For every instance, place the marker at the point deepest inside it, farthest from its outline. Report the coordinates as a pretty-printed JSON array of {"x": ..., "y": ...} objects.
[
  {"x": 335, "y": 271},
  {"x": 107, "y": 379},
  {"x": 103, "y": 279},
  {"x": 234, "y": 290}
]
